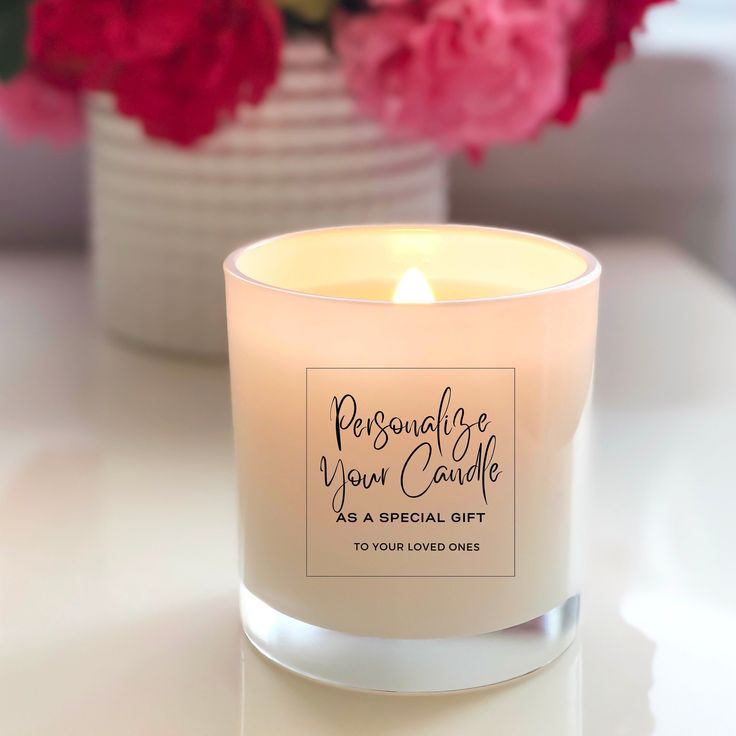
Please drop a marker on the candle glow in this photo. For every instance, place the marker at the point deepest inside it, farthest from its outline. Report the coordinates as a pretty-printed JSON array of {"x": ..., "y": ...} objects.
[
  {"x": 413, "y": 288},
  {"x": 405, "y": 482}
]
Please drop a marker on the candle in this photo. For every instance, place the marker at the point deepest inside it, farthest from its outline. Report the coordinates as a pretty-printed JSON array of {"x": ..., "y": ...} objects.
[{"x": 405, "y": 403}]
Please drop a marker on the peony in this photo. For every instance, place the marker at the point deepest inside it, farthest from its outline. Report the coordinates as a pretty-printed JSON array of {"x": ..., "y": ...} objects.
[
  {"x": 178, "y": 66},
  {"x": 112, "y": 31},
  {"x": 67, "y": 40},
  {"x": 141, "y": 29},
  {"x": 600, "y": 36},
  {"x": 31, "y": 107},
  {"x": 232, "y": 56},
  {"x": 464, "y": 73}
]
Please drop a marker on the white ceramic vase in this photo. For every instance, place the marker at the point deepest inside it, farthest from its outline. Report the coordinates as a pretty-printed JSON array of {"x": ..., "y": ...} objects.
[{"x": 164, "y": 218}]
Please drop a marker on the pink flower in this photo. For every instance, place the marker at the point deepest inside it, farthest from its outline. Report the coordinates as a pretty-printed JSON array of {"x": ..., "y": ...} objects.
[
  {"x": 30, "y": 107},
  {"x": 464, "y": 73}
]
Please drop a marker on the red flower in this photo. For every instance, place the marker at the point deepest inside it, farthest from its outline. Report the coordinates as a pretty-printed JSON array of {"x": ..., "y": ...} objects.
[
  {"x": 142, "y": 29},
  {"x": 600, "y": 36},
  {"x": 232, "y": 56},
  {"x": 177, "y": 65},
  {"x": 67, "y": 40}
]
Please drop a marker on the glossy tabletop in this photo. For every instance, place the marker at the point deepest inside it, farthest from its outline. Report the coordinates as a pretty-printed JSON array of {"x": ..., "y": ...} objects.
[{"x": 118, "y": 539}]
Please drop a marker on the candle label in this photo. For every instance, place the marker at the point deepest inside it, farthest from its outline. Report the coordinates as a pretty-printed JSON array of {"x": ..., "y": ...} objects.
[{"x": 410, "y": 472}]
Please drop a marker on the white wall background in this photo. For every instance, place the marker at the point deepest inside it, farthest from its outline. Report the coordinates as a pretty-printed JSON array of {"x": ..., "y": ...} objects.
[
  {"x": 41, "y": 196},
  {"x": 656, "y": 155}
]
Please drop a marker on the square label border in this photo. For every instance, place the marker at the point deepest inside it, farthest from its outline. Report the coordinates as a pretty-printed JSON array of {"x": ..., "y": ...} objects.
[{"x": 306, "y": 460}]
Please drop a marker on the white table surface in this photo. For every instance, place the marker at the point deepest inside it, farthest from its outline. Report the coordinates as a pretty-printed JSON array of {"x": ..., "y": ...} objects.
[{"x": 118, "y": 534}]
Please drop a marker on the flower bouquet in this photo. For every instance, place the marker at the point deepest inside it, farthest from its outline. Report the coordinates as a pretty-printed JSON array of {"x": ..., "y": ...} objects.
[{"x": 215, "y": 121}]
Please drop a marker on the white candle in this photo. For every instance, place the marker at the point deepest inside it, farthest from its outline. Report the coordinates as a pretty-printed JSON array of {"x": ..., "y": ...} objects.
[{"x": 405, "y": 402}]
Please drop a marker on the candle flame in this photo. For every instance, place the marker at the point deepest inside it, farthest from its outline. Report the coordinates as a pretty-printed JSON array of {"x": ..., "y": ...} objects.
[{"x": 413, "y": 288}]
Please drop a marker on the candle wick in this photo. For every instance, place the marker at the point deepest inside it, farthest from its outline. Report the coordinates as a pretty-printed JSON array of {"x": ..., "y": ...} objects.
[{"x": 413, "y": 288}]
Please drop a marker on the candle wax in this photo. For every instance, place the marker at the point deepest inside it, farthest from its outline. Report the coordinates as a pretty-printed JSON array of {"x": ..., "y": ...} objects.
[{"x": 444, "y": 290}]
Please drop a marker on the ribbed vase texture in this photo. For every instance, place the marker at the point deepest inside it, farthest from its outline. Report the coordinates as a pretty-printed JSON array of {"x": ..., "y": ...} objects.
[{"x": 164, "y": 218}]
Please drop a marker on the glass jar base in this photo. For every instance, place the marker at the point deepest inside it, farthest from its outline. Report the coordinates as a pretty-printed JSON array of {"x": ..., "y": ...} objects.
[{"x": 407, "y": 665}]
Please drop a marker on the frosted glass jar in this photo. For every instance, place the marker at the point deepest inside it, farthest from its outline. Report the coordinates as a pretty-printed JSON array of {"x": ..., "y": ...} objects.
[{"x": 436, "y": 551}]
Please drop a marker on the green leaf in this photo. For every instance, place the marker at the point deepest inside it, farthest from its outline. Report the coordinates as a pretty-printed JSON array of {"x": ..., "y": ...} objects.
[
  {"x": 13, "y": 31},
  {"x": 311, "y": 12}
]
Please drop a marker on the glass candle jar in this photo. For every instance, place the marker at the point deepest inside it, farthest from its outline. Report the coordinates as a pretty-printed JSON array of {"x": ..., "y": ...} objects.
[{"x": 405, "y": 401}]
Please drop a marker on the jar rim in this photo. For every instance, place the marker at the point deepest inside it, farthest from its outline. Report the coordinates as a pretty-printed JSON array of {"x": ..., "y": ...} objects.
[{"x": 590, "y": 274}]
